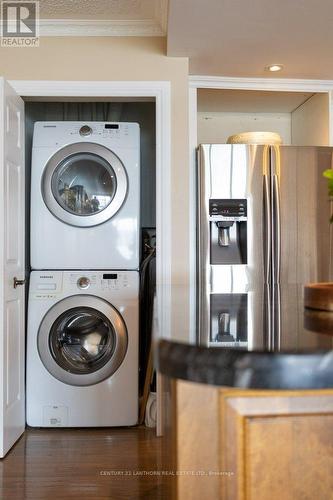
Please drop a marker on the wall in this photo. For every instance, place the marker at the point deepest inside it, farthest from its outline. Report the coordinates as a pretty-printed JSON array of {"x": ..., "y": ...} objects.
[
  {"x": 310, "y": 122},
  {"x": 216, "y": 127},
  {"x": 120, "y": 58}
]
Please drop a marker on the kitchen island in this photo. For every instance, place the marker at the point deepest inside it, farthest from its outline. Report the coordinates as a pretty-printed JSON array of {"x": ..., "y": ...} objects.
[{"x": 242, "y": 425}]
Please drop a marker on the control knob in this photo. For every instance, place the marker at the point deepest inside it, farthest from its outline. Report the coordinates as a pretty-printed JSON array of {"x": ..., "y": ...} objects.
[
  {"x": 85, "y": 130},
  {"x": 83, "y": 282}
]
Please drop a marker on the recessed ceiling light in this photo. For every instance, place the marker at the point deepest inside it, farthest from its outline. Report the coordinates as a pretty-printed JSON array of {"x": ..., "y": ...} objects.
[{"x": 274, "y": 67}]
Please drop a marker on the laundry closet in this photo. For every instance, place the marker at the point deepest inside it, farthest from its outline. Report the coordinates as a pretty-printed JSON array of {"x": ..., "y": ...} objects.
[{"x": 90, "y": 202}]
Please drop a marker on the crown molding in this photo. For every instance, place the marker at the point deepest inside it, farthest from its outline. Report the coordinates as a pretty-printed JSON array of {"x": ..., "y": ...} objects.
[
  {"x": 86, "y": 27},
  {"x": 269, "y": 84}
]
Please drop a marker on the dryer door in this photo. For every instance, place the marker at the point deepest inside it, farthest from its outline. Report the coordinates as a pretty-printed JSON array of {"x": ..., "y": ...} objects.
[
  {"x": 82, "y": 340},
  {"x": 84, "y": 184}
]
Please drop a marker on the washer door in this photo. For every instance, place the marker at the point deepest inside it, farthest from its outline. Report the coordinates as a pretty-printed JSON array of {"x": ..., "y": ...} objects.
[
  {"x": 82, "y": 340},
  {"x": 84, "y": 184}
]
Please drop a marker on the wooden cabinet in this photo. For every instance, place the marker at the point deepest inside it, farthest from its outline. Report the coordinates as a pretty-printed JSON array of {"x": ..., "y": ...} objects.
[{"x": 234, "y": 444}]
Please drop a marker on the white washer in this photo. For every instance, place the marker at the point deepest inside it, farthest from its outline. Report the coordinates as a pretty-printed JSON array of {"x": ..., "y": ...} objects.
[
  {"x": 82, "y": 349},
  {"x": 85, "y": 195}
]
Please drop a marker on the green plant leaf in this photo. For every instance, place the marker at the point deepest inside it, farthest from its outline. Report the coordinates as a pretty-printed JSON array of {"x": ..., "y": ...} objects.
[
  {"x": 329, "y": 176},
  {"x": 328, "y": 173}
]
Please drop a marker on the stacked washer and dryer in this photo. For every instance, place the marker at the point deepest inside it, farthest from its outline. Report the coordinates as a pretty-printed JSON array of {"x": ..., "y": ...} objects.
[{"x": 82, "y": 343}]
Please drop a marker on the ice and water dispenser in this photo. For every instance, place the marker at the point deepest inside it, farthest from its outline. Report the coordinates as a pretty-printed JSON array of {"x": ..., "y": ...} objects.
[{"x": 228, "y": 241}]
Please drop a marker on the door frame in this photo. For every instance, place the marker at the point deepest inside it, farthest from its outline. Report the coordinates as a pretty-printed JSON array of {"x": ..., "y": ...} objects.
[
  {"x": 160, "y": 91},
  {"x": 232, "y": 83}
]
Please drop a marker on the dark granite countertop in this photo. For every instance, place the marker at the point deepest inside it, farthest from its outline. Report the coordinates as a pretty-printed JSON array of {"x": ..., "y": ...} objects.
[{"x": 246, "y": 369}]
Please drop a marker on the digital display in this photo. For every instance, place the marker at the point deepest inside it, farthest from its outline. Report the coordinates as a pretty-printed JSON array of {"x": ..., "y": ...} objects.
[
  {"x": 228, "y": 208},
  {"x": 110, "y": 276},
  {"x": 111, "y": 125}
]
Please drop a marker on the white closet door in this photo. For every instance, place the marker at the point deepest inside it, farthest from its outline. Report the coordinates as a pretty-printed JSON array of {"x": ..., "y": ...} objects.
[{"x": 12, "y": 268}]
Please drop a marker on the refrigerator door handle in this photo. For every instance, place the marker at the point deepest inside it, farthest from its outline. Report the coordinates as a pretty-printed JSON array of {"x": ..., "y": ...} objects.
[
  {"x": 267, "y": 239},
  {"x": 277, "y": 318},
  {"x": 276, "y": 248},
  {"x": 268, "y": 341},
  {"x": 267, "y": 243},
  {"x": 277, "y": 232}
]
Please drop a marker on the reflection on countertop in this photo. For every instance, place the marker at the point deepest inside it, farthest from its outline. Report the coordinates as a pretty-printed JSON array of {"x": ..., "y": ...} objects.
[
  {"x": 307, "y": 364},
  {"x": 307, "y": 334}
]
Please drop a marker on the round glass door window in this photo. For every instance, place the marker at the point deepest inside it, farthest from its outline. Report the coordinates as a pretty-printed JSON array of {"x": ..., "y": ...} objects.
[
  {"x": 84, "y": 184},
  {"x": 82, "y": 340}
]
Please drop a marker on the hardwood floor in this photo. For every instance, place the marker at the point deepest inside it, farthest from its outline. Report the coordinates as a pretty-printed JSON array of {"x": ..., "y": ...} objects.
[{"x": 84, "y": 464}]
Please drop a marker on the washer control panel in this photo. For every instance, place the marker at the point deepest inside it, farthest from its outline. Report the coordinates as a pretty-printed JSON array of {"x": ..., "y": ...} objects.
[
  {"x": 90, "y": 280},
  {"x": 53, "y": 285}
]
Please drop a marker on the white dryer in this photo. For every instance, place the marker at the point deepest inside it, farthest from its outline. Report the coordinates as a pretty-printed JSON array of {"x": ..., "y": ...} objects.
[
  {"x": 82, "y": 349},
  {"x": 85, "y": 195}
]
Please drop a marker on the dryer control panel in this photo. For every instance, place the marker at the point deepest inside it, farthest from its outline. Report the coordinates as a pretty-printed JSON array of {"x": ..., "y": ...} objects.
[{"x": 58, "y": 134}]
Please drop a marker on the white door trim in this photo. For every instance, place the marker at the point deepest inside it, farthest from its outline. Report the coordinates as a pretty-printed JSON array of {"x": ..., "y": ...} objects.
[
  {"x": 160, "y": 90},
  {"x": 233, "y": 83},
  {"x": 193, "y": 142},
  {"x": 268, "y": 84}
]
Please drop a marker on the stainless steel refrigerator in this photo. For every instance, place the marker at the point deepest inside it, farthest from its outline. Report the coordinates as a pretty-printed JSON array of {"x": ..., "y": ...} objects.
[{"x": 263, "y": 232}]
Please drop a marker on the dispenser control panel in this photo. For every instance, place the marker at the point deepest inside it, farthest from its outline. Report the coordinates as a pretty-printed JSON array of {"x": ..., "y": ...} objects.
[{"x": 228, "y": 208}]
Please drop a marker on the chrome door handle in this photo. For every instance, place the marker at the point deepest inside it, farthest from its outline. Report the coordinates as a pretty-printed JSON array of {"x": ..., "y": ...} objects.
[
  {"x": 276, "y": 213},
  {"x": 18, "y": 282},
  {"x": 268, "y": 340},
  {"x": 267, "y": 248},
  {"x": 276, "y": 248},
  {"x": 267, "y": 236},
  {"x": 277, "y": 318},
  {"x": 277, "y": 235}
]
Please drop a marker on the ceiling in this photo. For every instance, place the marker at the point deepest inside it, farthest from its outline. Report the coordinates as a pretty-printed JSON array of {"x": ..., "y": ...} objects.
[
  {"x": 240, "y": 37},
  {"x": 244, "y": 101},
  {"x": 235, "y": 38}
]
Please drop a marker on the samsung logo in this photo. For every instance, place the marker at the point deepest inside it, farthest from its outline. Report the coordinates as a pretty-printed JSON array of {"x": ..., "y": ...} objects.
[{"x": 50, "y": 277}]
